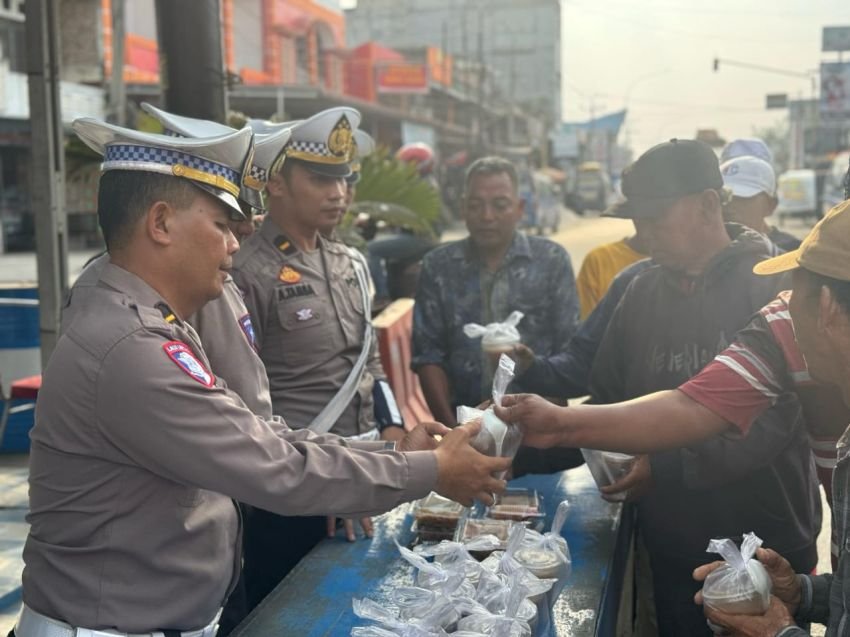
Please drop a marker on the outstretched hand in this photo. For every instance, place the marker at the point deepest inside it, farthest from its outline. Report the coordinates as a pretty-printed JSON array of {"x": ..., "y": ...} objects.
[
  {"x": 464, "y": 474},
  {"x": 538, "y": 418}
]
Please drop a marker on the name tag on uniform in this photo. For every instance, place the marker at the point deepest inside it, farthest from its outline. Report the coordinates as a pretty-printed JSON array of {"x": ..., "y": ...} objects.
[{"x": 293, "y": 291}]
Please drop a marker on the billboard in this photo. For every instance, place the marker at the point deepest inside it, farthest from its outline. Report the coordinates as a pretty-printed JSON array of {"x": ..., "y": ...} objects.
[
  {"x": 402, "y": 77},
  {"x": 836, "y": 39},
  {"x": 835, "y": 89}
]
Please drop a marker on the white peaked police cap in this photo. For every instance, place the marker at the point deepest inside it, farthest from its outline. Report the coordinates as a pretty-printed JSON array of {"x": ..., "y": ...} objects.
[
  {"x": 269, "y": 137},
  {"x": 214, "y": 164},
  {"x": 748, "y": 176},
  {"x": 325, "y": 142}
]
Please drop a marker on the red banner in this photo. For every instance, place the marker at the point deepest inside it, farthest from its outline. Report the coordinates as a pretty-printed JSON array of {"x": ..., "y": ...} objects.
[{"x": 402, "y": 77}]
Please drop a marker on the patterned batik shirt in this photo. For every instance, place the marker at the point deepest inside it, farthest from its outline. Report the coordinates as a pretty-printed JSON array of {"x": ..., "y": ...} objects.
[{"x": 535, "y": 278}]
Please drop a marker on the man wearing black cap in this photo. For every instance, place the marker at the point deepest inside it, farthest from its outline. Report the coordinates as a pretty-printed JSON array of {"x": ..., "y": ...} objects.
[{"x": 671, "y": 321}]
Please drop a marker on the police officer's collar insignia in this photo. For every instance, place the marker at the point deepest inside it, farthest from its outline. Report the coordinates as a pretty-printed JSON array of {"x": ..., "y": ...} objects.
[
  {"x": 304, "y": 314},
  {"x": 341, "y": 139},
  {"x": 167, "y": 314},
  {"x": 248, "y": 330},
  {"x": 289, "y": 275},
  {"x": 285, "y": 245},
  {"x": 186, "y": 360}
]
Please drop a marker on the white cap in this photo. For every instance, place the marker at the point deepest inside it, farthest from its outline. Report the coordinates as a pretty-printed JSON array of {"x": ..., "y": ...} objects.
[
  {"x": 214, "y": 164},
  {"x": 325, "y": 142},
  {"x": 748, "y": 176},
  {"x": 746, "y": 146},
  {"x": 269, "y": 138}
]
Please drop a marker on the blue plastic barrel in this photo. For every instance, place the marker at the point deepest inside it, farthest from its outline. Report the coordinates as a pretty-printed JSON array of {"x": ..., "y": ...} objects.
[{"x": 19, "y": 356}]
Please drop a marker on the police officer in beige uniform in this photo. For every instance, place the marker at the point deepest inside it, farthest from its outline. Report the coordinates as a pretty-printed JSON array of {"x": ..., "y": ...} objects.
[
  {"x": 309, "y": 300},
  {"x": 138, "y": 447},
  {"x": 224, "y": 324}
]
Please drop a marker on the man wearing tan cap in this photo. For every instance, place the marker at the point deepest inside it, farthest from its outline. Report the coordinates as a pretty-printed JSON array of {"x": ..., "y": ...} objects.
[{"x": 820, "y": 309}]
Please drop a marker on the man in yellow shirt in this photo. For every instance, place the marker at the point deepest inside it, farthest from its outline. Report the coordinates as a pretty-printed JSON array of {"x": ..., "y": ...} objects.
[{"x": 603, "y": 263}]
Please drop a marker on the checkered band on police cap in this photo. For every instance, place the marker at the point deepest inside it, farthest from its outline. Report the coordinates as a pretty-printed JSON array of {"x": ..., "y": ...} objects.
[{"x": 138, "y": 157}]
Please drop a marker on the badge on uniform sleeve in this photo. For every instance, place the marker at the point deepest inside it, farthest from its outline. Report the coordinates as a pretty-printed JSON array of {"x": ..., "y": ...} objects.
[
  {"x": 289, "y": 275},
  {"x": 248, "y": 330},
  {"x": 186, "y": 360}
]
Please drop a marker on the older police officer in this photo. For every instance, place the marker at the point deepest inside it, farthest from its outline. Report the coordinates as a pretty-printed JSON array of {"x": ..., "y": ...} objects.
[{"x": 138, "y": 447}]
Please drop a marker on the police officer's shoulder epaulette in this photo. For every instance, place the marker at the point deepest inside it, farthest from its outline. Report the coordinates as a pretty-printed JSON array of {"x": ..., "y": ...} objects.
[
  {"x": 156, "y": 317},
  {"x": 285, "y": 245}
]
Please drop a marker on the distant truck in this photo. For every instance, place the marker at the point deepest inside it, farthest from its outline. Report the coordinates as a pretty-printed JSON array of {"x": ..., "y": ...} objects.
[
  {"x": 592, "y": 188},
  {"x": 798, "y": 195},
  {"x": 833, "y": 183}
]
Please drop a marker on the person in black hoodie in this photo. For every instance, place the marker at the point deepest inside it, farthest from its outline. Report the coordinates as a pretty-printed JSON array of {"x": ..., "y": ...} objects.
[{"x": 672, "y": 320}]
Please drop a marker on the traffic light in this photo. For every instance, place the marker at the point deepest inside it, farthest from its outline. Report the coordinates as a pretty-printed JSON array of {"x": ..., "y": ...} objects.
[{"x": 716, "y": 64}]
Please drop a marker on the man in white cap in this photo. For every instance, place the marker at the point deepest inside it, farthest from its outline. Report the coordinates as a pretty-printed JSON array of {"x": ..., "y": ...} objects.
[
  {"x": 752, "y": 182},
  {"x": 747, "y": 147},
  {"x": 309, "y": 300},
  {"x": 138, "y": 448}
]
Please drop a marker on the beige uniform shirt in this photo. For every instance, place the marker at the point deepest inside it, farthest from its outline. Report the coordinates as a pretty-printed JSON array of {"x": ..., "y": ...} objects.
[
  {"x": 136, "y": 453},
  {"x": 226, "y": 333},
  {"x": 309, "y": 322}
]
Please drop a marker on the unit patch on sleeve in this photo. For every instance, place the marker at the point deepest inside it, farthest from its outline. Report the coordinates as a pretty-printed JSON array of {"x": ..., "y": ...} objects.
[
  {"x": 186, "y": 360},
  {"x": 248, "y": 330}
]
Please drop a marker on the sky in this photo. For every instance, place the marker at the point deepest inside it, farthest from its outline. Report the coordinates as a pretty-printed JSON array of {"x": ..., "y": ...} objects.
[{"x": 655, "y": 58}]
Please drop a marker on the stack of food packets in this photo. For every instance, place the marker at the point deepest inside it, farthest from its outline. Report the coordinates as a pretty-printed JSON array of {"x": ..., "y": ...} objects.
[
  {"x": 742, "y": 585},
  {"x": 455, "y": 595},
  {"x": 496, "y": 438}
]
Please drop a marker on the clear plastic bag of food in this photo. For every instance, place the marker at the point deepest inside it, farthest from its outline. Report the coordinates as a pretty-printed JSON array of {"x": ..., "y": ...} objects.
[
  {"x": 424, "y": 607},
  {"x": 459, "y": 555},
  {"x": 435, "y": 577},
  {"x": 608, "y": 467},
  {"x": 742, "y": 585},
  {"x": 496, "y": 438},
  {"x": 494, "y": 625},
  {"x": 547, "y": 555},
  {"x": 389, "y": 622},
  {"x": 496, "y": 338},
  {"x": 470, "y": 530}
]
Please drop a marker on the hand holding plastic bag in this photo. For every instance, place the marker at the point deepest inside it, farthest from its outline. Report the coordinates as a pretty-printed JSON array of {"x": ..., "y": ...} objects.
[
  {"x": 496, "y": 438},
  {"x": 741, "y": 586},
  {"x": 497, "y": 338}
]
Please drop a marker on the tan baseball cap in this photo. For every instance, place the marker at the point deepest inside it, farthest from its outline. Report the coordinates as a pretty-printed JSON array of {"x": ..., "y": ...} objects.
[{"x": 826, "y": 251}]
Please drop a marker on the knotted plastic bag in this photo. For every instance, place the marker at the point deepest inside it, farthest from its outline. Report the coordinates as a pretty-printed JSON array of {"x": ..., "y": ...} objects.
[
  {"x": 742, "y": 585},
  {"x": 390, "y": 623},
  {"x": 496, "y": 438},
  {"x": 496, "y": 338}
]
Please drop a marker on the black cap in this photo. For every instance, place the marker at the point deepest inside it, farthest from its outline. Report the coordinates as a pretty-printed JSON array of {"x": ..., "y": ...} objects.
[{"x": 665, "y": 173}]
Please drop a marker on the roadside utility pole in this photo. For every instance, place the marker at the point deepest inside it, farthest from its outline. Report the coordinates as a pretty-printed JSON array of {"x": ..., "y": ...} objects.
[
  {"x": 47, "y": 166},
  {"x": 191, "y": 59}
]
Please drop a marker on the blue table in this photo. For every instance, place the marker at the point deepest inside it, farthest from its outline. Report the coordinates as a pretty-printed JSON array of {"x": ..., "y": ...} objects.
[{"x": 315, "y": 598}]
